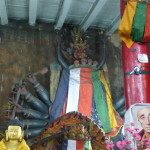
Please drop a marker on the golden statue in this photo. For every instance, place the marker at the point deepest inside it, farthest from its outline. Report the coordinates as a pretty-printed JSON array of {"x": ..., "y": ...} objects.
[{"x": 14, "y": 137}]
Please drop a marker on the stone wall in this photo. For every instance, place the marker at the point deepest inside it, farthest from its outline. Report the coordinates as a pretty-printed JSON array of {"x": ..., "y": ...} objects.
[{"x": 25, "y": 50}]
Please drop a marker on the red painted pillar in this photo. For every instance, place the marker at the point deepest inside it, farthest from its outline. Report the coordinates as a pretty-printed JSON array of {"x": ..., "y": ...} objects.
[{"x": 136, "y": 86}]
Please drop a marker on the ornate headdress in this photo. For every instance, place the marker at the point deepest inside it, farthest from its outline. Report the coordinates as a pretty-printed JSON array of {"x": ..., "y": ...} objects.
[
  {"x": 79, "y": 45},
  {"x": 79, "y": 50}
]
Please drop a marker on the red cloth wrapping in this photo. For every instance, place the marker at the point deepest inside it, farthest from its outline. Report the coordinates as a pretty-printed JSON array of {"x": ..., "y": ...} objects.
[{"x": 146, "y": 37}]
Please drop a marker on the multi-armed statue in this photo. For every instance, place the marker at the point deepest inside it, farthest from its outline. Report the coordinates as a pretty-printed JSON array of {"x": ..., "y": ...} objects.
[{"x": 81, "y": 108}]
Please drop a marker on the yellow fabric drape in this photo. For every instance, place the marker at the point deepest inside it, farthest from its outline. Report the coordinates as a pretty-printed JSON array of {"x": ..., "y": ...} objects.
[
  {"x": 90, "y": 146},
  {"x": 125, "y": 26},
  {"x": 54, "y": 79},
  {"x": 105, "y": 69},
  {"x": 112, "y": 117}
]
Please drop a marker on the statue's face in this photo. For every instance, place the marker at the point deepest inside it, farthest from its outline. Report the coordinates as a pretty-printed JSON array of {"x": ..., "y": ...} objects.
[{"x": 14, "y": 132}]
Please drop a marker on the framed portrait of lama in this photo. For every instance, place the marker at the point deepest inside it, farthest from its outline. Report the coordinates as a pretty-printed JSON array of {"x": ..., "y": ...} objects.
[{"x": 137, "y": 125}]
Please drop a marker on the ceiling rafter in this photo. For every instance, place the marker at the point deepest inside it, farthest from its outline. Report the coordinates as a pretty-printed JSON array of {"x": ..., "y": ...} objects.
[
  {"x": 114, "y": 26},
  {"x": 97, "y": 6},
  {"x": 3, "y": 12},
  {"x": 63, "y": 13},
  {"x": 33, "y": 4}
]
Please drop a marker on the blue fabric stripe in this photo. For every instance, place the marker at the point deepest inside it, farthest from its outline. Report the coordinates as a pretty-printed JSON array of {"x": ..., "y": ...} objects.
[
  {"x": 64, "y": 145},
  {"x": 61, "y": 95}
]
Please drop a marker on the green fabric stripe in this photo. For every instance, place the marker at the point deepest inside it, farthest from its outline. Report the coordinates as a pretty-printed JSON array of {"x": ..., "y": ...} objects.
[
  {"x": 100, "y": 102},
  {"x": 139, "y": 22},
  {"x": 86, "y": 146}
]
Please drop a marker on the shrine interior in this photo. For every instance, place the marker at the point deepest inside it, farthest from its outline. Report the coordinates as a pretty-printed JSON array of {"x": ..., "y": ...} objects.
[{"x": 34, "y": 36}]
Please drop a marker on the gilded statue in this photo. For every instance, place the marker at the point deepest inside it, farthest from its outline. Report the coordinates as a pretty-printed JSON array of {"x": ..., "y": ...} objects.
[{"x": 14, "y": 137}]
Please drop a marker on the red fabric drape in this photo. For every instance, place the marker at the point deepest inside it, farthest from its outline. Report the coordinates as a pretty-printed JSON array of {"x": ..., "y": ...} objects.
[
  {"x": 85, "y": 97},
  {"x": 146, "y": 37}
]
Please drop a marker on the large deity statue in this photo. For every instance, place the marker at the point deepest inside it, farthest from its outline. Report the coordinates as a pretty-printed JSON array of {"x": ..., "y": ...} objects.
[
  {"x": 14, "y": 137},
  {"x": 82, "y": 112},
  {"x": 83, "y": 88}
]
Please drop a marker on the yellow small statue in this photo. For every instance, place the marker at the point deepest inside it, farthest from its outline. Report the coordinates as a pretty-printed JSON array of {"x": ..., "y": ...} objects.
[{"x": 14, "y": 137}]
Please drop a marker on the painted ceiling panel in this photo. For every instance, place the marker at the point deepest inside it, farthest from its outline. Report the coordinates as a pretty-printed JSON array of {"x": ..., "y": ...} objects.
[
  {"x": 48, "y": 10},
  {"x": 74, "y": 20},
  {"x": 16, "y": 12},
  {"x": 17, "y": 2},
  {"x": 18, "y": 9},
  {"x": 107, "y": 14},
  {"x": 80, "y": 8},
  {"x": 79, "y": 12},
  {"x": 52, "y": 2}
]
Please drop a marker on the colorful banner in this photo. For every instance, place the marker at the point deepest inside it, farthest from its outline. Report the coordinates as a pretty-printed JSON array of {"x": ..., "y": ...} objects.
[
  {"x": 125, "y": 26},
  {"x": 78, "y": 90},
  {"x": 134, "y": 26}
]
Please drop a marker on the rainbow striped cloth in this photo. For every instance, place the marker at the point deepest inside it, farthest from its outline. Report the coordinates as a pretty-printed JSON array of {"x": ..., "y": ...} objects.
[
  {"x": 135, "y": 23},
  {"x": 80, "y": 89}
]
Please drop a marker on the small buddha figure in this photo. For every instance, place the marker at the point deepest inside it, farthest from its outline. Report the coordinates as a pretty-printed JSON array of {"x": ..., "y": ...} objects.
[
  {"x": 89, "y": 62},
  {"x": 95, "y": 63},
  {"x": 14, "y": 137},
  {"x": 76, "y": 63},
  {"x": 83, "y": 61}
]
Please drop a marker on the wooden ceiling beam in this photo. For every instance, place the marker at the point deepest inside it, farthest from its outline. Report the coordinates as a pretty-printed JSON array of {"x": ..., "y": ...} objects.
[
  {"x": 95, "y": 10},
  {"x": 114, "y": 26},
  {"x": 33, "y": 4},
  {"x": 3, "y": 13},
  {"x": 63, "y": 13}
]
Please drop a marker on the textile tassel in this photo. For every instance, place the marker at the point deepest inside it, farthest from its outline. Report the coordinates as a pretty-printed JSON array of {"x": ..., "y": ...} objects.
[
  {"x": 146, "y": 37},
  {"x": 125, "y": 26},
  {"x": 100, "y": 102},
  {"x": 139, "y": 22}
]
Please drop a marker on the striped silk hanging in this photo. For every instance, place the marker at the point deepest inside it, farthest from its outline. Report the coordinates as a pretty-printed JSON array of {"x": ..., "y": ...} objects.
[
  {"x": 85, "y": 101},
  {"x": 76, "y": 91},
  {"x": 125, "y": 26},
  {"x": 146, "y": 37},
  {"x": 100, "y": 102},
  {"x": 135, "y": 23},
  {"x": 73, "y": 99},
  {"x": 61, "y": 95},
  {"x": 79, "y": 98},
  {"x": 139, "y": 22},
  {"x": 86, "y": 90}
]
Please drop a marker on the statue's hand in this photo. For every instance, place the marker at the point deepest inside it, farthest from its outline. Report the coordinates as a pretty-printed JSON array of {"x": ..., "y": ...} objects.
[{"x": 24, "y": 91}]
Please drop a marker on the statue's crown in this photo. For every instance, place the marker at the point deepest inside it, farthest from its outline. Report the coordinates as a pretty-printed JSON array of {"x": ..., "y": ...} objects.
[{"x": 79, "y": 45}]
